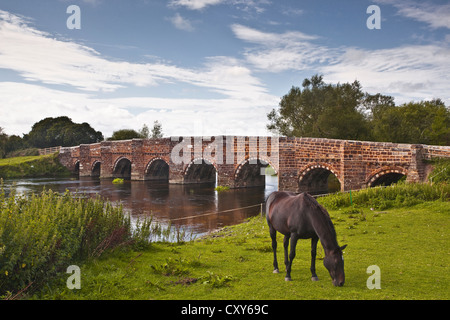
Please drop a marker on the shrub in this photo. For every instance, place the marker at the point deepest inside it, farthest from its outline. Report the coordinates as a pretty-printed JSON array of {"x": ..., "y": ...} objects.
[
  {"x": 43, "y": 234},
  {"x": 396, "y": 195},
  {"x": 441, "y": 171}
]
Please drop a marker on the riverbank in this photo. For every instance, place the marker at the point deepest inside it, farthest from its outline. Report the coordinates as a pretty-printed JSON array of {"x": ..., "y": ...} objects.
[
  {"x": 32, "y": 166},
  {"x": 408, "y": 242}
]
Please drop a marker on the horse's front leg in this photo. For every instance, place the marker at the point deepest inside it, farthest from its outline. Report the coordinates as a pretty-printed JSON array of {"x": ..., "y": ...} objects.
[
  {"x": 285, "y": 246},
  {"x": 314, "y": 241},
  {"x": 291, "y": 257},
  {"x": 273, "y": 235}
]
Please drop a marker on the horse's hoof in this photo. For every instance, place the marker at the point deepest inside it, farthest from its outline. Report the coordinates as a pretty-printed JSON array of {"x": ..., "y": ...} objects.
[
  {"x": 287, "y": 279},
  {"x": 314, "y": 278},
  {"x": 276, "y": 271}
]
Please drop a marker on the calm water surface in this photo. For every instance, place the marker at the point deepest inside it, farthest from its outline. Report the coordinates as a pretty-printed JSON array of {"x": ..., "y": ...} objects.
[{"x": 198, "y": 209}]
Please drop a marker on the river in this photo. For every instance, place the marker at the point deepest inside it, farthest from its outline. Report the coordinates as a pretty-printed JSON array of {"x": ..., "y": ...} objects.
[{"x": 196, "y": 209}]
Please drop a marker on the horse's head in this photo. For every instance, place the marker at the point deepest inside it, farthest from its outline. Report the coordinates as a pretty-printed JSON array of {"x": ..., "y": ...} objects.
[{"x": 334, "y": 262}]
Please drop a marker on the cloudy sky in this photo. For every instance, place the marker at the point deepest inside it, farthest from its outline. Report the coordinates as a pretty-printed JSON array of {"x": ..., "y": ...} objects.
[{"x": 209, "y": 67}]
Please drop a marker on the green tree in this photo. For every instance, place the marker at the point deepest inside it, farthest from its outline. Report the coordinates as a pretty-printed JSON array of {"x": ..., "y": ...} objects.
[
  {"x": 61, "y": 131},
  {"x": 144, "y": 132},
  {"x": 125, "y": 134},
  {"x": 14, "y": 143},
  {"x": 426, "y": 122},
  {"x": 322, "y": 110},
  {"x": 3, "y": 141},
  {"x": 157, "y": 130}
]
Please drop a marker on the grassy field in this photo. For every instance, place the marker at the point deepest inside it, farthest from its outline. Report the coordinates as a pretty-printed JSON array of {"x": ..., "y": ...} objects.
[
  {"x": 409, "y": 244},
  {"x": 32, "y": 166}
]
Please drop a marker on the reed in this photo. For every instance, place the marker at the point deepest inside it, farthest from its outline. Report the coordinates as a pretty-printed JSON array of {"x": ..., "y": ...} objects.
[
  {"x": 44, "y": 233},
  {"x": 394, "y": 196}
]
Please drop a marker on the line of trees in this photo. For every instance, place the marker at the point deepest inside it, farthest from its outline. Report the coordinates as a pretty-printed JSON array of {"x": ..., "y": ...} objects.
[
  {"x": 62, "y": 131},
  {"x": 317, "y": 109},
  {"x": 144, "y": 133},
  {"x": 344, "y": 111}
]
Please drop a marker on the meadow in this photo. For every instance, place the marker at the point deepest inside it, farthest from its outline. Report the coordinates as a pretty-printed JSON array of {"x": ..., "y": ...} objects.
[
  {"x": 407, "y": 239},
  {"x": 32, "y": 166}
]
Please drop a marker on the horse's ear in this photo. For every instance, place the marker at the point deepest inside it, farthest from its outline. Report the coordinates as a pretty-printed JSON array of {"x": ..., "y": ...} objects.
[{"x": 343, "y": 247}]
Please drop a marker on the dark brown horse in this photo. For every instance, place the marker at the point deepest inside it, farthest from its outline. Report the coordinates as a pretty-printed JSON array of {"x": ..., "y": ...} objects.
[{"x": 300, "y": 216}]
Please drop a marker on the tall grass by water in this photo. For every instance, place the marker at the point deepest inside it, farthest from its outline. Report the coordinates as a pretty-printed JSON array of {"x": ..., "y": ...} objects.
[
  {"x": 394, "y": 196},
  {"x": 42, "y": 234}
]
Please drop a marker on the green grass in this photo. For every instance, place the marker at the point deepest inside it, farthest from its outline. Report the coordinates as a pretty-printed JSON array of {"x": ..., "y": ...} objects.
[
  {"x": 410, "y": 245},
  {"x": 32, "y": 166}
]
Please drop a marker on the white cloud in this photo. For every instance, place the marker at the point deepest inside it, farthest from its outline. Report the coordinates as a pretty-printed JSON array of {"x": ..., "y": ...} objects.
[
  {"x": 178, "y": 116},
  {"x": 278, "y": 52},
  {"x": 194, "y": 4},
  {"x": 435, "y": 15},
  {"x": 36, "y": 56},
  {"x": 181, "y": 23},
  {"x": 243, "y": 5},
  {"x": 242, "y": 100},
  {"x": 410, "y": 72},
  {"x": 267, "y": 38}
]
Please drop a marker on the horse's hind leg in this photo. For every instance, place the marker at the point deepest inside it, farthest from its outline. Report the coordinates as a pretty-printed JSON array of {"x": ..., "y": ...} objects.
[
  {"x": 314, "y": 241},
  {"x": 273, "y": 235},
  {"x": 291, "y": 257}
]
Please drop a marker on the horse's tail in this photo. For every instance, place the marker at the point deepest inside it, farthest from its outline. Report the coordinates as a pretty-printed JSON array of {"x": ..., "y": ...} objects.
[{"x": 267, "y": 204}]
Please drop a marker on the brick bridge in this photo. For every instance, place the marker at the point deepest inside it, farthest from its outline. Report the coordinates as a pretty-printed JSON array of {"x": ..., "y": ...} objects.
[{"x": 302, "y": 164}]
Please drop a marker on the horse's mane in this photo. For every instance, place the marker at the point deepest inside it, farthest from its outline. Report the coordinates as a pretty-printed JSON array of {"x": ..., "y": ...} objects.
[{"x": 312, "y": 202}]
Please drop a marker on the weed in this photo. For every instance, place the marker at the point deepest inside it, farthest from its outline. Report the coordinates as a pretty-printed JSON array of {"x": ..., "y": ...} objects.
[
  {"x": 215, "y": 280},
  {"x": 176, "y": 267}
]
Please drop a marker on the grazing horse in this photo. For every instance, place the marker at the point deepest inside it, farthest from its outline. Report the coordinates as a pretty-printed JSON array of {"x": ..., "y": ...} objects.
[{"x": 300, "y": 216}]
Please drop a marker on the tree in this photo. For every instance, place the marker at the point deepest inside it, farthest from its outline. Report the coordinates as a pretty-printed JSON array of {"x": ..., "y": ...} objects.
[
  {"x": 322, "y": 110},
  {"x": 144, "y": 132},
  {"x": 125, "y": 134},
  {"x": 14, "y": 143},
  {"x": 426, "y": 122},
  {"x": 61, "y": 131},
  {"x": 3, "y": 141},
  {"x": 157, "y": 130}
]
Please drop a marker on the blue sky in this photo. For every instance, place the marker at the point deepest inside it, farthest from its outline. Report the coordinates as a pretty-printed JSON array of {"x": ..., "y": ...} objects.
[{"x": 208, "y": 67}]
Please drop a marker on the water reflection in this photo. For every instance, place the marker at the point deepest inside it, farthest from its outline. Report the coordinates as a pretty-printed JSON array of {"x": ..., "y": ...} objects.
[{"x": 197, "y": 208}]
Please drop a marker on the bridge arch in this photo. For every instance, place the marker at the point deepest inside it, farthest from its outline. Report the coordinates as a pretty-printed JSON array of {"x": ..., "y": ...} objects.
[
  {"x": 386, "y": 176},
  {"x": 95, "y": 170},
  {"x": 319, "y": 178},
  {"x": 122, "y": 168},
  {"x": 76, "y": 167},
  {"x": 249, "y": 173},
  {"x": 157, "y": 169},
  {"x": 200, "y": 170}
]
